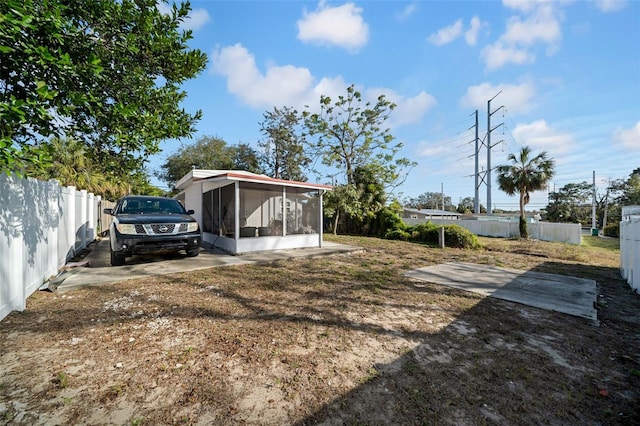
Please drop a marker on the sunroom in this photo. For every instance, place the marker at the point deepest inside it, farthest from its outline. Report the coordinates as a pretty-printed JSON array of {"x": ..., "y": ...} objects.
[{"x": 241, "y": 212}]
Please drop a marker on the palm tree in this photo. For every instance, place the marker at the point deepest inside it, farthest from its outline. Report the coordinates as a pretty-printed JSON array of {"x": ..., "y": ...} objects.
[
  {"x": 72, "y": 165},
  {"x": 525, "y": 174}
]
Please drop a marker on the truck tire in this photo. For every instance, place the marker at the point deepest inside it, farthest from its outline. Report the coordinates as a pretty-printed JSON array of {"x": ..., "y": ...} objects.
[{"x": 117, "y": 259}]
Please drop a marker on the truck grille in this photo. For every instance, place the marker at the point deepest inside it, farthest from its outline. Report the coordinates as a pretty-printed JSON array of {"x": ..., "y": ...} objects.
[{"x": 162, "y": 228}]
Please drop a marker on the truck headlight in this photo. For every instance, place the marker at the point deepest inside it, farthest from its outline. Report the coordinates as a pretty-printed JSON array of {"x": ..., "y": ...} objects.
[
  {"x": 126, "y": 228},
  {"x": 192, "y": 226}
]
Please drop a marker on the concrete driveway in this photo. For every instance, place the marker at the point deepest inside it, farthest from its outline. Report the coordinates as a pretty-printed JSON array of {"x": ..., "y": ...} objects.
[
  {"x": 559, "y": 293},
  {"x": 96, "y": 268}
]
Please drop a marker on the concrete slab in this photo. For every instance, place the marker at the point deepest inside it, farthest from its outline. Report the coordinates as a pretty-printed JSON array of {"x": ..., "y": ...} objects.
[
  {"x": 99, "y": 270},
  {"x": 559, "y": 293}
]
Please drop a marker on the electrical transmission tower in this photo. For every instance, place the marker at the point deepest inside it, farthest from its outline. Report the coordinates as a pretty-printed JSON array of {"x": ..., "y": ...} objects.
[
  {"x": 489, "y": 146},
  {"x": 481, "y": 175}
]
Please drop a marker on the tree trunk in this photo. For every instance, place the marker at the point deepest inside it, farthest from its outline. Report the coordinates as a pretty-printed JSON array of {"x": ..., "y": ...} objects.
[
  {"x": 335, "y": 222},
  {"x": 524, "y": 233}
]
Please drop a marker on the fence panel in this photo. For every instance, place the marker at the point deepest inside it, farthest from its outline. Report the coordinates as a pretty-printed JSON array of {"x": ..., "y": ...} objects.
[
  {"x": 104, "y": 220},
  {"x": 547, "y": 231},
  {"x": 630, "y": 246},
  {"x": 42, "y": 226}
]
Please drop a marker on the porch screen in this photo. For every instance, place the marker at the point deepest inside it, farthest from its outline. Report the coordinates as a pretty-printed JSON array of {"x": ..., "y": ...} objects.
[
  {"x": 207, "y": 210},
  {"x": 260, "y": 210},
  {"x": 303, "y": 211}
]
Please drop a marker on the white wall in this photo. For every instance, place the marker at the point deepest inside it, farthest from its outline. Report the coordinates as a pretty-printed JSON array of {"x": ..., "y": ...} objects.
[
  {"x": 193, "y": 201},
  {"x": 547, "y": 231},
  {"x": 630, "y": 246},
  {"x": 249, "y": 244},
  {"x": 42, "y": 225}
]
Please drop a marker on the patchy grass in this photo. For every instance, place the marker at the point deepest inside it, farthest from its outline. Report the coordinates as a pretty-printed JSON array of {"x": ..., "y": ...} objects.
[
  {"x": 336, "y": 340},
  {"x": 612, "y": 244}
]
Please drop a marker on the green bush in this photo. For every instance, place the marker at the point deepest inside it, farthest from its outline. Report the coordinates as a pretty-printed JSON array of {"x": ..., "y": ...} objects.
[
  {"x": 612, "y": 230},
  {"x": 398, "y": 234},
  {"x": 457, "y": 236},
  {"x": 427, "y": 233},
  {"x": 387, "y": 220}
]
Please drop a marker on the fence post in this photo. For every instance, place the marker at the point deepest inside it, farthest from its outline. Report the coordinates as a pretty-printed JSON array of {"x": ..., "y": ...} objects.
[
  {"x": 91, "y": 217},
  {"x": 82, "y": 228},
  {"x": 71, "y": 220}
]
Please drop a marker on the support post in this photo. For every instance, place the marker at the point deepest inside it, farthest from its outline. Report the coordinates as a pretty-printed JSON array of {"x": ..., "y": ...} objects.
[
  {"x": 476, "y": 201},
  {"x": 593, "y": 206}
]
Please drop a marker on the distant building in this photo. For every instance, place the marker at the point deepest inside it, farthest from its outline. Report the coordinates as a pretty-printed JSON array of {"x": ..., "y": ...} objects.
[{"x": 429, "y": 214}]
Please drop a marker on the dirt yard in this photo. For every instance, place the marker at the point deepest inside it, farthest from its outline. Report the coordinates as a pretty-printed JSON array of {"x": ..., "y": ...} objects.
[{"x": 333, "y": 341}]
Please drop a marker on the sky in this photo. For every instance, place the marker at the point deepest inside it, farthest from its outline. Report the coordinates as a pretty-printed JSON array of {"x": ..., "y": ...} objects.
[{"x": 564, "y": 77}]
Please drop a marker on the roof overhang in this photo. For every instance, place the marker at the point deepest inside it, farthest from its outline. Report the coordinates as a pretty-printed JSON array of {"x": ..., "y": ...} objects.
[{"x": 218, "y": 178}]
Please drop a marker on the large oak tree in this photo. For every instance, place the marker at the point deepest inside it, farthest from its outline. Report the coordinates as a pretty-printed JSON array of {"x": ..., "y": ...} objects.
[{"x": 106, "y": 73}]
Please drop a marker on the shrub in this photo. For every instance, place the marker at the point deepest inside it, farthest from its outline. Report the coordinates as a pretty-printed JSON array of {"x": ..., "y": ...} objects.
[
  {"x": 398, "y": 234},
  {"x": 612, "y": 230},
  {"x": 457, "y": 236},
  {"x": 387, "y": 220},
  {"x": 454, "y": 235},
  {"x": 425, "y": 233}
]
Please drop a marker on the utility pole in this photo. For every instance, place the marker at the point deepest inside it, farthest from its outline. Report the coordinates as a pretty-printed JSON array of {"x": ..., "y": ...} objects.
[
  {"x": 606, "y": 206},
  {"x": 476, "y": 200},
  {"x": 489, "y": 130},
  {"x": 593, "y": 204},
  {"x": 442, "y": 193}
]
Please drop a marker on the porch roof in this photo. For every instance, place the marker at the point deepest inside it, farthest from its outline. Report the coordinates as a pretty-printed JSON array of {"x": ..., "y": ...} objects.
[{"x": 223, "y": 176}]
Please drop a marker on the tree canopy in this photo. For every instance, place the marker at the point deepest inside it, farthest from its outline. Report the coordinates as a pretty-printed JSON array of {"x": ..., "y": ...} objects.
[
  {"x": 571, "y": 203},
  {"x": 429, "y": 200},
  {"x": 525, "y": 174},
  {"x": 628, "y": 190},
  {"x": 106, "y": 73},
  {"x": 468, "y": 205},
  {"x": 359, "y": 155},
  {"x": 282, "y": 151},
  {"x": 346, "y": 135},
  {"x": 208, "y": 153}
]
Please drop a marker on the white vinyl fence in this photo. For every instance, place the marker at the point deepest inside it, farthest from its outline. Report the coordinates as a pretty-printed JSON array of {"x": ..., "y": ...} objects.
[
  {"x": 546, "y": 231},
  {"x": 42, "y": 225},
  {"x": 630, "y": 246}
]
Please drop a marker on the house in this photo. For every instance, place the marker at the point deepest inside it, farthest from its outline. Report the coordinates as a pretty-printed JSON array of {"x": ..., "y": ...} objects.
[
  {"x": 429, "y": 214},
  {"x": 243, "y": 212}
]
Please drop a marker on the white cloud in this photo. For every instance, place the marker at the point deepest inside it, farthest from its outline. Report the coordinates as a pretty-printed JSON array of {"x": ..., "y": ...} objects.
[
  {"x": 406, "y": 12},
  {"x": 341, "y": 26},
  {"x": 295, "y": 86},
  {"x": 435, "y": 151},
  {"x": 630, "y": 139},
  {"x": 542, "y": 25},
  {"x": 280, "y": 85},
  {"x": 447, "y": 34},
  {"x": 516, "y": 97},
  {"x": 408, "y": 110},
  {"x": 331, "y": 87},
  {"x": 539, "y": 23},
  {"x": 197, "y": 17},
  {"x": 523, "y": 5},
  {"x": 196, "y": 20},
  {"x": 539, "y": 136},
  {"x": 471, "y": 35},
  {"x": 611, "y": 5},
  {"x": 497, "y": 55}
]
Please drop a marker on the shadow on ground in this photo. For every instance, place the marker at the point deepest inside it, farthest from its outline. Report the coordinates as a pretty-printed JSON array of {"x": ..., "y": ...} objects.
[
  {"x": 461, "y": 374},
  {"x": 471, "y": 361}
]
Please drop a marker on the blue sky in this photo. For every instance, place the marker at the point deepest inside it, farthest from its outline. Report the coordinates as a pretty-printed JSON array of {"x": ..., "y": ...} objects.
[{"x": 568, "y": 74}]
